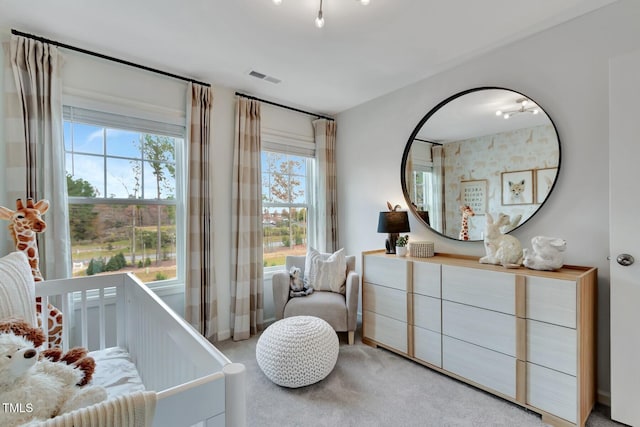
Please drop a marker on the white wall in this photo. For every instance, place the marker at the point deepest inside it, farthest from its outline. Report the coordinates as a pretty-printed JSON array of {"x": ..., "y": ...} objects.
[{"x": 565, "y": 69}]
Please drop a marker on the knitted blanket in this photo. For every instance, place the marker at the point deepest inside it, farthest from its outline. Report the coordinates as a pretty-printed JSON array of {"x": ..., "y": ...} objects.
[{"x": 130, "y": 410}]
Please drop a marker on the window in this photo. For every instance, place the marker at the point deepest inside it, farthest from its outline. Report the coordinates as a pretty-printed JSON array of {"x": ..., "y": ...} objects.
[
  {"x": 125, "y": 203},
  {"x": 286, "y": 181},
  {"x": 422, "y": 195}
]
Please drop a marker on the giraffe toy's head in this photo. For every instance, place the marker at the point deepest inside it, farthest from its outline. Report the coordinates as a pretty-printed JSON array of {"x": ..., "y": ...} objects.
[
  {"x": 467, "y": 211},
  {"x": 24, "y": 223},
  {"x": 26, "y": 219}
]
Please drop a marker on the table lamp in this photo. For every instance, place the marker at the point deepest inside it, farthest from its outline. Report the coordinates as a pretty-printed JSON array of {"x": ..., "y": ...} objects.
[{"x": 393, "y": 223}]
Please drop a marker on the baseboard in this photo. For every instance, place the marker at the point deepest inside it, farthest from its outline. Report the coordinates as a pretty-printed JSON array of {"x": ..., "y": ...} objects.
[{"x": 604, "y": 398}]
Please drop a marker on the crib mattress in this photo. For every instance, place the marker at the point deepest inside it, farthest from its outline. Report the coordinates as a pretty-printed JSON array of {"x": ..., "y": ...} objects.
[{"x": 116, "y": 372}]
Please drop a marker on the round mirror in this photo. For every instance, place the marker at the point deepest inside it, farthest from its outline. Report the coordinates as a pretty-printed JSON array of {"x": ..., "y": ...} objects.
[{"x": 482, "y": 150}]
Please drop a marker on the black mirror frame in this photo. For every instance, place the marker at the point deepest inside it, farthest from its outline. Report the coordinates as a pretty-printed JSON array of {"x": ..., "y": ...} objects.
[{"x": 421, "y": 123}]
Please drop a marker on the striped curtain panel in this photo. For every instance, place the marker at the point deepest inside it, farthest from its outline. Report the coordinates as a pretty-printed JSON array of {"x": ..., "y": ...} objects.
[
  {"x": 201, "y": 299},
  {"x": 14, "y": 163},
  {"x": 246, "y": 259},
  {"x": 36, "y": 71},
  {"x": 327, "y": 190}
]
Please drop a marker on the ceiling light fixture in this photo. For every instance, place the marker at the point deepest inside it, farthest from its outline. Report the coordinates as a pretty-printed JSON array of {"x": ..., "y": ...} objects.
[
  {"x": 534, "y": 109},
  {"x": 320, "y": 16}
]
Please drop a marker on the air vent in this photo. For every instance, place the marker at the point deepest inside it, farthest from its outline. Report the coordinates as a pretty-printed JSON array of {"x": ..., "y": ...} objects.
[
  {"x": 257, "y": 75},
  {"x": 272, "y": 79},
  {"x": 262, "y": 76}
]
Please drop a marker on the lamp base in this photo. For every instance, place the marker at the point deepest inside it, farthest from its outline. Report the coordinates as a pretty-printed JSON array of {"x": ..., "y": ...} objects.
[{"x": 390, "y": 243}]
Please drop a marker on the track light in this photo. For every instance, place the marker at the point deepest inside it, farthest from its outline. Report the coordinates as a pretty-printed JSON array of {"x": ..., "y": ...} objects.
[
  {"x": 533, "y": 109},
  {"x": 320, "y": 16}
]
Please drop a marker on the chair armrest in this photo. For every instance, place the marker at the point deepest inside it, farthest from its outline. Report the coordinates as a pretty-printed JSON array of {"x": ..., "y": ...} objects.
[
  {"x": 280, "y": 285},
  {"x": 351, "y": 295}
]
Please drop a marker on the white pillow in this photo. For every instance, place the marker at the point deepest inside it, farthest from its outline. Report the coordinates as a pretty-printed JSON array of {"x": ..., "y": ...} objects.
[{"x": 326, "y": 272}]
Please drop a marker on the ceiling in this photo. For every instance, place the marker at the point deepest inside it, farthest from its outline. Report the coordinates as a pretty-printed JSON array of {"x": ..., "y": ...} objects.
[
  {"x": 361, "y": 53},
  {"x": 473, "y": 115}
]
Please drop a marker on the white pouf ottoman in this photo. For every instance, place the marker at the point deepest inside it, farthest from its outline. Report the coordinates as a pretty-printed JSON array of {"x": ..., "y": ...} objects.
[{"x": 297, "y": 351}]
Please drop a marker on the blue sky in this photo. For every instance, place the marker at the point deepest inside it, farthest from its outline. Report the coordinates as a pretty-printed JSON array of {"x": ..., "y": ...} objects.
[{"x": 87, "y": 162}]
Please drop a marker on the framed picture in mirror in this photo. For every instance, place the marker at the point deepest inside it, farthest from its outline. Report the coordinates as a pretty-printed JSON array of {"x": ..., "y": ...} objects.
[
  {"x": 544, "y": 179},
  {"x": 474, "y": 195},
  {"x": 517, "y": 187}
]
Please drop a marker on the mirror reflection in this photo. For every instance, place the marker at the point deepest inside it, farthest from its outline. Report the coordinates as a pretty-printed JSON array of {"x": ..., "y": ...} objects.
[{"x": 483, "y": 150}]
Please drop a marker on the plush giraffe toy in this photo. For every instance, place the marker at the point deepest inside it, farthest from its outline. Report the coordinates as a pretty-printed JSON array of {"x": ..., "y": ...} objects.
[
  {"x": 24, "y": 223},
  {"x": 464, "y": 228}
]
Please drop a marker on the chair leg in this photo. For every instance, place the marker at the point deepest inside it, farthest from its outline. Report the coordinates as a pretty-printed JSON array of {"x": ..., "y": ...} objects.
[{"x": 351, "y": 336}]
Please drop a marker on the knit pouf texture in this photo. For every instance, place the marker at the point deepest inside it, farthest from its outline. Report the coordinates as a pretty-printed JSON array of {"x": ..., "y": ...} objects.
[{"x": 297, "y": 351}]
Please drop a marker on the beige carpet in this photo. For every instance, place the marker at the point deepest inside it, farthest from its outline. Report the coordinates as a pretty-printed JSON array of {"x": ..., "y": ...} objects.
[{"x": 374, "y": 387}]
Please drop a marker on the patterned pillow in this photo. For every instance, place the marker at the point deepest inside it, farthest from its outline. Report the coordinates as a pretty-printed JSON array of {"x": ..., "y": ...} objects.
[{"x": 326, "y": 272}]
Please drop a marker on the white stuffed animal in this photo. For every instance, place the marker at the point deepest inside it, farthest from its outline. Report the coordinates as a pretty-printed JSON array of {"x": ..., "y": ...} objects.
[
  {"x": 36, "y": 390},
  {"x": 546, "y": 254},
  {"x": 501, "y": 249},
  {"x": 297, "y": 287}
]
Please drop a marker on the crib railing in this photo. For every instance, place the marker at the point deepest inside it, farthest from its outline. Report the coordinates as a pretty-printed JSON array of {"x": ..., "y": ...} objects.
[
  {"x": 194, "y": 381},
  {"x": 103, "y": 296}
]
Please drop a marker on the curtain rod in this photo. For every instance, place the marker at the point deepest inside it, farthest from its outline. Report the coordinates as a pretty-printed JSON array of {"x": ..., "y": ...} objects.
[
  {"x": 109, "y": 58},
  {"x": 320, "y": 116},
  {"x": 424, "y": 140}
]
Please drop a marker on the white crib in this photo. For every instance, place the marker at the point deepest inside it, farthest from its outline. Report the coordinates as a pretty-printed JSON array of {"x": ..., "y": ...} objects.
[{"x": 195, "y": 383}]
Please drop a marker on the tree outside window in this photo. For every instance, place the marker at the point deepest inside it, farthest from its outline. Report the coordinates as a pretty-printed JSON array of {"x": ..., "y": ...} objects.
[
  {"x": 122, "y": 201},
  {"x": 285, "y": 206}
]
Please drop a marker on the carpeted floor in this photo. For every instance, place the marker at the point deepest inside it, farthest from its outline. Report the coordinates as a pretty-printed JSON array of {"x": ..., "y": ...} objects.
[{"x": 374, "y": 387}]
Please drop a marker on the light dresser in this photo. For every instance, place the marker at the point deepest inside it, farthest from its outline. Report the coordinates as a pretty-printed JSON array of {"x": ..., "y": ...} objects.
[{"x": 527, "y": 336}]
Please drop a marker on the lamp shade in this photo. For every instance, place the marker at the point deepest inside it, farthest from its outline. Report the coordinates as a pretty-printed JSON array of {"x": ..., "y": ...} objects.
[{"x": 393, "y": 222}]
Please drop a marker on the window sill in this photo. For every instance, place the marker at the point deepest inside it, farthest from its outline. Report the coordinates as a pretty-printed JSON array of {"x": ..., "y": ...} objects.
[{"x": 270, "y": 271}]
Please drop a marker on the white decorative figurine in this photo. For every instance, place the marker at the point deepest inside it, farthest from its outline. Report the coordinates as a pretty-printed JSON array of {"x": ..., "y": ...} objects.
[
  {"x": 501, "y": 249},
  {"x": 546, "y": 254}
]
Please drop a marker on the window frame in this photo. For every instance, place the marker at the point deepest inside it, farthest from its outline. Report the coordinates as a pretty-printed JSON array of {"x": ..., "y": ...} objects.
[
  {"x": 309, "y": 193},
  {"x": 141, "y": 123}
]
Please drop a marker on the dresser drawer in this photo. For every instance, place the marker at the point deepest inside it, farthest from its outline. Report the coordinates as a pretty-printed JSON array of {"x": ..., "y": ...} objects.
[
  {"x": 386, "y": 301},
  {"x": 427, "y": 313},
  {"x": 487, "y": 368},
  {"x": 486, "y": 328},
  {"x": 551, "y": 300},
  {"x": 389, "y": 272},
  {"x": 427, "y": 346},
  {"x": 385, "y": 330},
  {"x": 480, "y": 288},
  {"x": 426, "y": 279},
  {"x": 552, "y": 346},
  {"x": 552, "y": 391}
]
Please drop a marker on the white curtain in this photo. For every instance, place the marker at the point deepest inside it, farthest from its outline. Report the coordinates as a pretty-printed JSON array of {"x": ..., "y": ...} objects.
[
  {"x": 326, "y": 194},
  {"x": 36, "y": 70},
  {"x": 437, "y": 216}
]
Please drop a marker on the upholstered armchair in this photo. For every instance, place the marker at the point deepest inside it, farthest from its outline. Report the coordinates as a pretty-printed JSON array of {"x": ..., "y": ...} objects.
[{"x": 339, "y": 310}]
